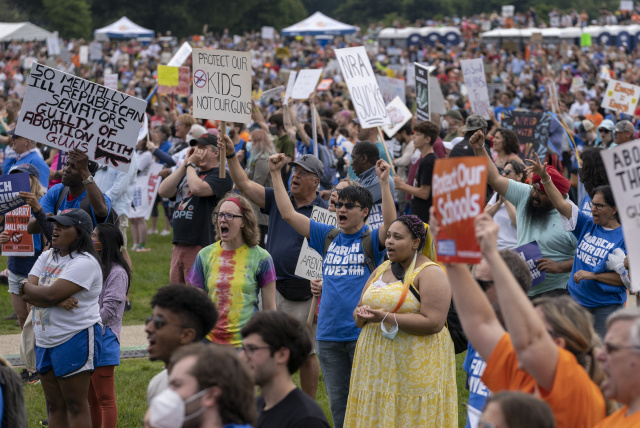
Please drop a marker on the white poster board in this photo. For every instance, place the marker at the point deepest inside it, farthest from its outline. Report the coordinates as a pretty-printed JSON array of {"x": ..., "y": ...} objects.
[
  {"x": 53, "y": 46},
  {"x": 310, "y": 262},
  {"x": 363, "y": 87},
  {"x": 222, "y": 85},
  {"x": 391, "y": 88},
  {"x": 306, "y": 82},
  {"x": 290, "y": 83},
  {"x": 475, "y": 79},
  {"x": 98, "y": 121},
  {"x": 181, "y": 55},
  {"x": 626, "y": 4},
  {"x": 399, "y": 115},
  {"x": 623, "y": 164},
  {"x": 111, "y": 81},
  {"x": 95, "y": 51},
  {"x": 507, "y": 11},
  {"x": 268, "y": 33},
  {"x": 145, "y": 192},
  {"x": 436, "y": 98},
  {"x": 84, "y": 54},
  {"x": 621, "y": 96},
  {"x": 273, "y": 93}
]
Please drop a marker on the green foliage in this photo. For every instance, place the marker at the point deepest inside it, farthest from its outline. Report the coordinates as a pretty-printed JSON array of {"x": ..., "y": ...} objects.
[
  {"x": 71, "y": 18},
  {"x": 10, "y": 13}
]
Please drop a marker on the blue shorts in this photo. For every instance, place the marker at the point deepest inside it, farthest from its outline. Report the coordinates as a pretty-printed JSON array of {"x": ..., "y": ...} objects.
[
  {"x": 74, "y": 356},
  {"x": 110, "y": 349}
]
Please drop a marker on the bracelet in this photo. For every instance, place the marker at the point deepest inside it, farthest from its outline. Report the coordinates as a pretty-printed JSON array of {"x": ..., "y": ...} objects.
[
  {"x": 546, "y": 182},
  {"x": 231, "y": 156}
]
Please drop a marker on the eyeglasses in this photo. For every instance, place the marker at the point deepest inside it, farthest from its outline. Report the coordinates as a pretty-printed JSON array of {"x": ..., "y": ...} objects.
[
  {"x": 597, "y": 207},
  {"x": 334, "y": 190},
  {"x": 159, "y": 322},
  {"x": 301, "y": 172},
  {"x": 484, "y": 284},
  {"x": 610, "y": 348},
  {"x": 348, "y": 205},
  {"x": 250, "y": 349},
  {"x": 604, "y": 130},
  {"x": 226, "y": 216}
]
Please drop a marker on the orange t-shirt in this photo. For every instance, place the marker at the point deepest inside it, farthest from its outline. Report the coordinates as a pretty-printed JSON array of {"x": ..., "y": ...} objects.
[
  {"x": 574, "y": 399},
  {"x": 595, "y": 118},
  {"x": 620, "y": 420}
]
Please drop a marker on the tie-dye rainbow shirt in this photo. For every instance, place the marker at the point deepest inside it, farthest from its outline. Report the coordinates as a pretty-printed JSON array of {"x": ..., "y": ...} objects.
[{"x": 233, "y": 280}]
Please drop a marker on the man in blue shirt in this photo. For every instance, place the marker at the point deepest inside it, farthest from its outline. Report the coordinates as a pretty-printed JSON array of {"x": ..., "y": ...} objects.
[{"x": 27, "y": 153}]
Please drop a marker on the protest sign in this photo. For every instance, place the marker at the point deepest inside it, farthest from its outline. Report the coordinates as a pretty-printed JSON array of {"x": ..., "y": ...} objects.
[
  {"x": 410, "y": 76},
  {"x": 181, "y": 55},
  {"x": 622, "y": 164},
  {"x": 531, "y": 253},
  {"x": 310, "y": 262},
  {"x": 111, "y": 81},
  {"x": 66, "y": 112},
  {"x": 53, "y": 46},
  {"x": 536, "y": 37},
  {"x": 84, "y": 54},
  {"x": 363, "y": 86},
  {"x": 306, "y": 82},
  {"x": 585, "y": 40},
  {"x": 459, "y": 190},
  {"x": 399, "y": 114},
  {"x": 174, "y": 80},
  {"x": 283, "y": 52},
  {"x": 290, "y": 82},
  {"x": 268, "y": 33},
  {"x": 621, "y": 96},
  {"x": 422, "y": 92},
  {"x": 274, "y": 93},
  {"x": 626, "y": 4},
  {"x": 95, "y": 51},
  {"x": 10, "y": 186},
  {"x": 222, "y": 85},
  {"x": 436, "y": 96},
  {"x": 145, "y": 192},
  {"x": 324, "y": 85},
  {"x": 476, "y": 81},
  {"x": 20, "y": 241},
  {"x": 507, "y": 11},
  {"x": 532, "y": 130},
  {"x": 391, "y": 88}
]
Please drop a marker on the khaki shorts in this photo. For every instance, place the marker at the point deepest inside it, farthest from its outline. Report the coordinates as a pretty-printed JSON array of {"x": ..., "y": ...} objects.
[
  {"x": 124, "y": 225},
  {"x": 298, "y": 310}
]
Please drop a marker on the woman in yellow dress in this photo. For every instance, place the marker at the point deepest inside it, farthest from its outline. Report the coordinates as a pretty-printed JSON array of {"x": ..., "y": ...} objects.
[{"x": 404, "y": 372}]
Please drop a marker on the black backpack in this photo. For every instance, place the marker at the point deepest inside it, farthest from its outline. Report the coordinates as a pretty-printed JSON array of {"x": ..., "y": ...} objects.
[
  {"x": 367, "y": 246},
  {"x": 86, "y": 206}
]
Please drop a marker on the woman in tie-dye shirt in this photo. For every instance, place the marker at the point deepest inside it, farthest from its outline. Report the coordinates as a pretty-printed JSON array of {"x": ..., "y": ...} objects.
[{"x": 234, "y": 270}]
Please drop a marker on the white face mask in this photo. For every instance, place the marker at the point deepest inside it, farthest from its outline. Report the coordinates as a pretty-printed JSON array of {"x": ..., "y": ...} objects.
[
  {"x": 168, "y": 409},
  {"x": 389, "y": 334}
]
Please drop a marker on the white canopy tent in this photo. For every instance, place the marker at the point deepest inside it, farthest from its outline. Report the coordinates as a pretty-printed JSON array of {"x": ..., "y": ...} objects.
[
  {"x": 123, "y": 28},
  {"x": 22, "y": 31},
  {"x": 318, "y": 24}
]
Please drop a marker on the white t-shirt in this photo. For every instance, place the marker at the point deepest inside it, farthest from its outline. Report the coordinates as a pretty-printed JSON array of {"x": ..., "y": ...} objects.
[
  {"x": 54, "y": 326},
  {"x": 157, "y": 384},
  {"x": 508, "y": 233}
]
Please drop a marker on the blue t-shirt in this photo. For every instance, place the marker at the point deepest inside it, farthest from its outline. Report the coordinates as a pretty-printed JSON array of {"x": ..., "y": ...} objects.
[
  {"x": 585, "y": 206},
  {"x": 166, "y": 146},
  {"x": 344, "y": 275},
  {"x": 594, "y": 245},
  {"x": 474, "y": 366},
  {"x": 48, "y": 202},
  {"x": 34, "y": 159}
]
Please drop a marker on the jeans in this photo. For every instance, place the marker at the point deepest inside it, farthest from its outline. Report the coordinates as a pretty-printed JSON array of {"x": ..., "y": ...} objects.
[
  {"x": 600, "y": 315},
  {"x": 336, "y": 359}
]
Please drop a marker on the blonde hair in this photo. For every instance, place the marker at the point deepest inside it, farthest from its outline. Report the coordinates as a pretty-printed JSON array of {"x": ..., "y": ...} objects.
[
  {"x": 186, "y": 119},
  {"x": 250, "y": 231},
  {"x": 262, "y": 144},
  {"x": 36, "y": 187}
]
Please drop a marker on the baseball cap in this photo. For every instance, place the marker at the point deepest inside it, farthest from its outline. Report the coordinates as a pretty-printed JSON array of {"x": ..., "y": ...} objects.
[
  {"x": 606, "y": 124},
  {"x": 588, "y": 125},
  {"x": 454, "y": 114},
  {"x": 72, "y": 217},
  {"x": 205, "y": 139},
  {"x": 624, "y": 126},
  {"x": 474, "y": 122},
  {"x": 26, "y": 167},
  {"x": 309, "y": 163}
]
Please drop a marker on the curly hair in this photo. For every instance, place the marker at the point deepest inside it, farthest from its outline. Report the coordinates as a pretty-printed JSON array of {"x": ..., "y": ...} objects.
[
  {"x": 250, "y": 231},
  {"x": 592, "y": 172},
  {"x": 416, "y": 227},
  {"x": 511, "y": 143}
]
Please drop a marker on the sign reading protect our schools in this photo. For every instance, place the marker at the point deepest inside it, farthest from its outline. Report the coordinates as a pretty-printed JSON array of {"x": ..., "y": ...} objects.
[
  {"x": 222, "y": 85},
  {"x": 621, "y": 96},
  {"x": 20, "y": 242},
  {"x": 10, "y": 186},
  {"x": 622, "y": 164},
  {"x": 310, "y": 262},
  {"x": 66, "y": 112},
  {"x": 531, "y": 253},
  {"x": 363, "y": 87},
  {"x": 458, "y": 189}
]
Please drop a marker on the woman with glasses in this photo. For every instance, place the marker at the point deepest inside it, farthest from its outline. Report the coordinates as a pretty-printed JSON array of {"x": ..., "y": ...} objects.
[
  {"x": 591, "y": 284},
  {"x": 503, "y": 211},
  {"x": 605, "y": 134},
  {"x": 505, "y": 147},
  {"x": 234, "y": 270}
]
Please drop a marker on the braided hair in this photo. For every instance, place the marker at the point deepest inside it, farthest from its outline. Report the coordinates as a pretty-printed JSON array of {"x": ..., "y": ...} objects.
[{"x": 416, "y": 227}]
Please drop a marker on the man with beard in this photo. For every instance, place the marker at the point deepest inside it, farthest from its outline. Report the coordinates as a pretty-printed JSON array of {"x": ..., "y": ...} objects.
[{"x": 538, "y": 221}]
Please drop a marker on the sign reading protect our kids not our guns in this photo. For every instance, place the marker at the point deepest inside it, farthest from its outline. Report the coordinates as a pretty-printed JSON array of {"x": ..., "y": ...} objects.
[
  {"x": 621, "y": 96},
  {"x": 458, "y": 190}
]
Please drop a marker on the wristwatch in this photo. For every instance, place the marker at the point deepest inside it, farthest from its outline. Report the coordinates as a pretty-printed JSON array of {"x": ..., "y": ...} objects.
[
  {"x": 232, "y": 155},
  {"x": 192, "y": 164},
  {"x": 21, "y": 286},
  {"x": 88, "y": 180},
  {"x": 56, "y": 174}
]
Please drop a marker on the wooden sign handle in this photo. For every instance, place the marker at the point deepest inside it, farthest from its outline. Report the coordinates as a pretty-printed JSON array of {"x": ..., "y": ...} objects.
[{"x": 223, "y": 151}]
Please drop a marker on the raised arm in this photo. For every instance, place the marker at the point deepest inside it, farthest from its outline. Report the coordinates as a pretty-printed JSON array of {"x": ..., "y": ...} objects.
[
  {"x": 95, "y": 195},
  {"x": 248, "y": 188},
  {"x": 499, "y": 183},
  {"x": 559, "y": 202},
  {"x": 299, "y": 222},
  {"x": 388, "y": 206}
]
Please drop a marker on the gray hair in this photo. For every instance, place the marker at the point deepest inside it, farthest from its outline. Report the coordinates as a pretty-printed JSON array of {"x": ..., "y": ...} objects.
[{"x": 628, "y": 314}]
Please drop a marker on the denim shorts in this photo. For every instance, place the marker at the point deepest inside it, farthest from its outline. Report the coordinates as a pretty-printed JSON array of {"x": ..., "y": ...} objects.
[{"x": 14, "y": 282}]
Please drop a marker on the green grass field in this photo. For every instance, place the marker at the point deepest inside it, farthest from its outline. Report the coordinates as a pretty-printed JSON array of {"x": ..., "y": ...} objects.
[{"x": 151, "y": 271}]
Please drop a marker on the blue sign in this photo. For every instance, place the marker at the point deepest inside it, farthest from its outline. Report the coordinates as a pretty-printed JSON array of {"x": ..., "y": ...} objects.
[
  {"x": 10, "y": 186},
  {"x": 531, "y": 253}
]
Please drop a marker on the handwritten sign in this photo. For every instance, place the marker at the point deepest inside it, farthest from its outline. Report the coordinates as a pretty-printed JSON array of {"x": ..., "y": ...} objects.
[
  {"x": 622, "y": 164},
  {"x": 175, "y": 81},
  {"x": 20, "y": 242},
  {"x": 10, "y": 186},
  {"x": 167, "y": 76},
  {"x": 475, "y": 79},
  {"x": 66, "y": 112},
  {"x": 53, "y": 46},
  {"x": 532, "y": 130},
  {"x": 508, "y": 10},
  {"x": 422, "y": 92},
  {"x": 530, "y": 253},
  {"x": 363, "y": 86},
  {"x": 181, "y": 55},
  {"x": 621, "y": 96},
  {"x": 84, "y": 54},
  {"x": 324, "y": 85},
  {"x": 222, "y": 85},
  {"x": 95, "y": 51},
  {"x": 399, "y": 114},
  {"x": 391, "y": 88},
  {"x": 111, "y": 81},
  {"x": 310, "y": 262},
  {"x": 435, "y": 96},
  {"x": 305, "y": 83},
  {"x": 273, "y": 93},
  {"x": 290, "y": 82},
  {"x": 268, "y": 33},
  {"x": 459, "y": 189},
  {"x": 145, "y": 192}
]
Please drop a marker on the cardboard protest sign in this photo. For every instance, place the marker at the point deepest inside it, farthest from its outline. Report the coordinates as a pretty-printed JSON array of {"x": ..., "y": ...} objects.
[
  {"x": 20, "y": 241},
  {"x": 410, "y": 76},
  {"x": 84, "y": 54},
  {"x": 290, "y": 82},
  {"x": 306, "y": 82},
  {"x": 391, "y": 88},
  {"x": 95, "y": 51},
  {"x": 508, "y": 10},
  {"x": 310, "y": 262},
  {"x": 66, "y": 112},
  {"x": 622, "y": 164},
  {"x": 10, "y": 186},
  {"x": 111, "y": 81},
  {"x": 363, "y": 86},
  {"x": 422, "y": 92},
  {"x": 181, "y": 55},
  {"x": 283, "y": 52},
  {"x": 435, "y": 96},
  {"x": 324, "y": 85},
  {"x": 53, "y": 46},
  {"x": 399, "y": 114},
  {"x": 222, "y": 85},
  {"x": 532, "y": 130},
  {"x": 268, "y": 33},
  {"x": 621, "y": 96},
  {"x": 458, "y": 190},
  {"x": 273, "y": 93},
  {"x": 174, "y": 80},
  {"x": 530, "y": 253},
  {"x": 145, "y": 192},
  {"x": 626, "y": 4},
  {"x": 536, "y": 37},
  {"x": 476, "y": 81}
]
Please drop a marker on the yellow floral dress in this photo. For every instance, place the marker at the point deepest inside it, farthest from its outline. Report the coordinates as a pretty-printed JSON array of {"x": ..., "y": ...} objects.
[{"x": 409, "y": 381}]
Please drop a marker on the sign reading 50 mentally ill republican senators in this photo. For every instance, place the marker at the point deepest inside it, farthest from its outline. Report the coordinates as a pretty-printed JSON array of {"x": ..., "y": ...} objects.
[
  {"x": 459, "y": 188},
  {"x": 66, "y": 112},
  {"x": 222, "y": 85}
]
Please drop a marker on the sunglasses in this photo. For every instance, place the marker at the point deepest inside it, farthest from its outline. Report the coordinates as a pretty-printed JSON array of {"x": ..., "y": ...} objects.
[
  {"x": 604, "y": 130},
  {"x": 159, "y": 322},
  {"x": 347, "y": 205}
]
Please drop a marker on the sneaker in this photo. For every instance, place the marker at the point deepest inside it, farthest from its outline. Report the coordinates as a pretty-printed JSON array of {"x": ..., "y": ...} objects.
[
  {"x": 152, "y": 232},
  {"x": 127, "y": 306},
  {"x": 13, "y": 316},
  {"x": 24, "y": 375},
  {"x": 134, "y": 247},
  {"x": 142, "y": 249},
  {"x": 44, "y": 422},
  {"x": 165, "y": 233},
  {"x": 33, "y": 378},
  {"x": 4, "y": 280}
]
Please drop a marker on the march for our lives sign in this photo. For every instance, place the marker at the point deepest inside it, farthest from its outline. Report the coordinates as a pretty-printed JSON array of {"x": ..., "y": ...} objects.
[
  {"x": 10, "y": 186},
  {"x": 530, "y": 253}
]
